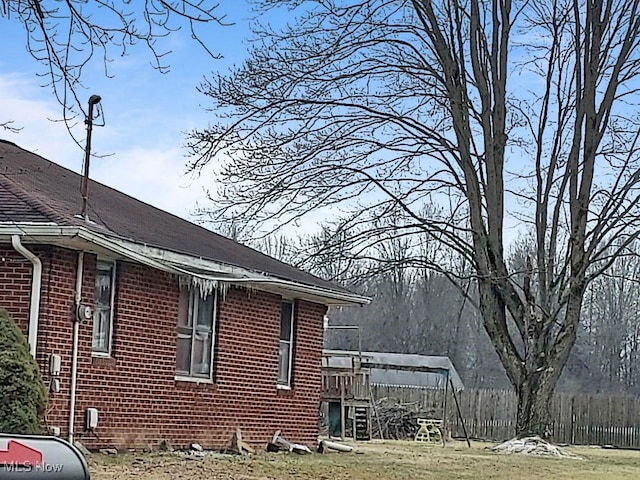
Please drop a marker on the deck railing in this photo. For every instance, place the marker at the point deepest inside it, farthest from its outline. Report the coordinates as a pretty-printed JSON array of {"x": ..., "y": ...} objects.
[{"x": 347, "y": 385}]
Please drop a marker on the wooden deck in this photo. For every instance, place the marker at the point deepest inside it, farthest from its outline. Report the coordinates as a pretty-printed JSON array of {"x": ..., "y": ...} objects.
[
  {"x": 339, "y": 385},
  {"x": 348, "y": 385}
]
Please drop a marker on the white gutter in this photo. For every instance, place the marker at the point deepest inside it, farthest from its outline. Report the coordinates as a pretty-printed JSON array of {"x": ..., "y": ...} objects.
[
  {"x": 74, "y": 348},
  {"x": 129, "y": 253},
  {"x": 236, "y": 274},
  {"x": 36, "y": 282},
  {"x": 346, "y": 297},
  {"x": 129, "y": 250},
  {"x": 180, "y": 264}
]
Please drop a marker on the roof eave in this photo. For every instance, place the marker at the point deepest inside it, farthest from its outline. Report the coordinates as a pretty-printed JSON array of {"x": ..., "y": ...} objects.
[{"x": 183, "y": 265}]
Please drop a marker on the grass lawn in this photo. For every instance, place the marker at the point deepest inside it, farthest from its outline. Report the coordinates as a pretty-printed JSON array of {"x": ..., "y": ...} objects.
[{"x": 390, "y": 460}]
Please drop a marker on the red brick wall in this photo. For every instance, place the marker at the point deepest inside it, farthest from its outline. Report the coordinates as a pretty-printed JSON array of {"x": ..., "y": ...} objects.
[
  {"x": 135, "y": 391},
  {"x": 15, "y": 285},
  {"x": 56, "y": 312}
]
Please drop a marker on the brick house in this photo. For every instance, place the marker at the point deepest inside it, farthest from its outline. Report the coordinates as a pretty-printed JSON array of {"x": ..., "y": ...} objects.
[{"x": 165, "y": 329}]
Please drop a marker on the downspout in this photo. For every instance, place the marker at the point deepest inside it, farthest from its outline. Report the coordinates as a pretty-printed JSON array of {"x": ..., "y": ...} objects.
[
  {"x": 74, "y": 351},
  {"x": 36, "y": 282}
]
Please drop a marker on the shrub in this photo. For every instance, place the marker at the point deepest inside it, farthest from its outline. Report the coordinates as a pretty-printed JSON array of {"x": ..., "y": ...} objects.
[{"x": 23, "y": 395}]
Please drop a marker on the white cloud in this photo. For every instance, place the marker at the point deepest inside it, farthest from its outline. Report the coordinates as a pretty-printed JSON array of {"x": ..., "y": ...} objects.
[
  {"x": 22, "y": 104},
  {"x": 142, "y": 146},
  {"x": 153, "y": 175}
]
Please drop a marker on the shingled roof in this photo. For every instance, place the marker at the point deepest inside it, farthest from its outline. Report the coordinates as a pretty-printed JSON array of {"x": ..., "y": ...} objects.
[{"x": 36, "y": 190}]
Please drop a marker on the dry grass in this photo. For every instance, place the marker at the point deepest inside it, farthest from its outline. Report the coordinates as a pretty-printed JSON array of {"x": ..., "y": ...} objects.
[{"x": 376, "y": 461}]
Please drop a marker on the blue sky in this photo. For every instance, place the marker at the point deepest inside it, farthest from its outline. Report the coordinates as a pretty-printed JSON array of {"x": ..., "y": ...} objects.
[{"x": 146, "y": 113}]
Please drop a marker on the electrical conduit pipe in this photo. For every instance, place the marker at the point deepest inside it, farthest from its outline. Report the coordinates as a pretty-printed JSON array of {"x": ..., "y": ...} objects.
[{"x": 74, "y": 351}]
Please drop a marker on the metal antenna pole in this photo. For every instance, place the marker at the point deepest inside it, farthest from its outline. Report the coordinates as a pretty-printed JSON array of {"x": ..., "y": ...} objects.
[{"x": 93, "y": 100}]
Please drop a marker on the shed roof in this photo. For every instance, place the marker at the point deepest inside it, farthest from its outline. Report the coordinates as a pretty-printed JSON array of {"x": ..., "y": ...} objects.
[{"x": 399, "y": 369}]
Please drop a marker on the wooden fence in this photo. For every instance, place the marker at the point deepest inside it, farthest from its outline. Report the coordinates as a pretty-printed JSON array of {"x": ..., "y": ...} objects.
[{"x": 578, "y": 419}]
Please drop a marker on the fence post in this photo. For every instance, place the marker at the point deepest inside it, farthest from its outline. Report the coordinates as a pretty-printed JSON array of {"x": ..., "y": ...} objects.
[{"x": 573, "y": 422}]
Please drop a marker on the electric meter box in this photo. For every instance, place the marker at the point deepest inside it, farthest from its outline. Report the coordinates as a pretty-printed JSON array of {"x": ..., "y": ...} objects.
[
  {"x": 54, "y": 364},
  {"x": 92, "y": 418}
]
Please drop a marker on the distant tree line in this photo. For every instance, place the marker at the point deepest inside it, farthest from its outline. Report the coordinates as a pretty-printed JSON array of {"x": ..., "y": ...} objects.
[{"x": 417, "y": 310}]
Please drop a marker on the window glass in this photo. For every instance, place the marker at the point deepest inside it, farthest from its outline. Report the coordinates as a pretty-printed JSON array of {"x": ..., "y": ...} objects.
[
  {"x": 103, "y": 287},
  {"x": 103, "y": 314},
  {"x": 285, "y": 321},
  {"x": 283, "y": 364},
  {"x": 196, "y": 320},
  {"x": 286, "y": 344},
  {"x": 202, "y": 353},
  {"x": 184, "y": 318},
  {"x": 205, "y": 310},
  {"x": 183, "y": 358}
]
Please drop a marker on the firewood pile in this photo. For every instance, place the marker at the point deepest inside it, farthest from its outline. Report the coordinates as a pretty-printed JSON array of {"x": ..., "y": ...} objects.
[{"x": 398, "y": 421}]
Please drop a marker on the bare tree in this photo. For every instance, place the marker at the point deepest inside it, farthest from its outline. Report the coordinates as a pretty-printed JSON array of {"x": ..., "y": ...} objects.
[
  {"x": 65, "y": 35},
  {"x": 610, "y": 320},
  {"x": 9, "y": 126},
  {"x": 504, "y": 113}
]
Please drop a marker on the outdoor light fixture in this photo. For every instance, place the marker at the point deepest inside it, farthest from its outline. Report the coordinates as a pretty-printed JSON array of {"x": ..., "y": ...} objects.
[{"x": 93, "y": 100}]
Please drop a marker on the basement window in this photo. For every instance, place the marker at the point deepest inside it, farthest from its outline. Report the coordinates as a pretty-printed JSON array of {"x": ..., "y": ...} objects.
[
  {"x": 104, "y": 299},
  {"x": 196, "y": 322},
  {"x": 285, "y": 354}
]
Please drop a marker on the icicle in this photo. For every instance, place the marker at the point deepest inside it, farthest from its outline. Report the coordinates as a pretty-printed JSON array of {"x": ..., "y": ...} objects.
[{"x": 205, "y": 285}]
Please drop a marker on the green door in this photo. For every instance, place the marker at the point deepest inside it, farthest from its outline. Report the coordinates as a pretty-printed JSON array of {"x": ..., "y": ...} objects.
[{"x": 334, "y": 419}]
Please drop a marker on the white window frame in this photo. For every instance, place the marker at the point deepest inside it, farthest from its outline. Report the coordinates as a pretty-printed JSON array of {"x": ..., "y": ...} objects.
[
  {"x": 291, "y": 341},
  {"x": 191, "y": 376},
  {"x": 106, "y": 352}
]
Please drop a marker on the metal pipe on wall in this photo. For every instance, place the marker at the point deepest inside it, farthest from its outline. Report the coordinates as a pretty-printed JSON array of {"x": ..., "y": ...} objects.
[
  {"x": 74, "y": 348},
  {"x": 36, "y": 283}
]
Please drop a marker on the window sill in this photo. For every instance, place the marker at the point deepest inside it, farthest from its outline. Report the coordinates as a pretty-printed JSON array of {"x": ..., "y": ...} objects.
[
  {"x": 205, "y": 381},
  {"x": 100, "y": 354},
  {"x": 283, "y": 387},
  {"x": 103, "y": 360}
]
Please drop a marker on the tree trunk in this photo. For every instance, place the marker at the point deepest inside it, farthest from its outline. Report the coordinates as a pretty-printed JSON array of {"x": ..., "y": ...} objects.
[
  {"x": 534, "y": 366},
  {"x": 534, "y": 406}
]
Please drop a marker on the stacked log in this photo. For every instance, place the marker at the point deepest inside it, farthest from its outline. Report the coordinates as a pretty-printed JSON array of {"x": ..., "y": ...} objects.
[{"x": 398, "y": 421}]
